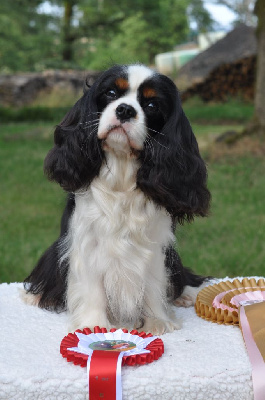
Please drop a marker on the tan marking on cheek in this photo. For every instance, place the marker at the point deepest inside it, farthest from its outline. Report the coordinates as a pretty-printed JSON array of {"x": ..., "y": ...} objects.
[
  {"x": 148, "y": 93},
  {"x": 122, "y": 83}
]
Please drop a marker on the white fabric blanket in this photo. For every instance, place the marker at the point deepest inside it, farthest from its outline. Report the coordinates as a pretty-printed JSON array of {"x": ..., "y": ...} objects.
[{"x": 203, "y": 360}]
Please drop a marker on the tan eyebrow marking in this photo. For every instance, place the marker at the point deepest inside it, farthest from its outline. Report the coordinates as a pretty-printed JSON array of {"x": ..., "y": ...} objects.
[
  {"x": 149, "y": 92},
  {"x": 122, "y": 83}
]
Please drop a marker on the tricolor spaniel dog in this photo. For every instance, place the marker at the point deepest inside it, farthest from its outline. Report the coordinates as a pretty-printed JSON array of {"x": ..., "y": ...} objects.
[{"x": 128, "y": 158}]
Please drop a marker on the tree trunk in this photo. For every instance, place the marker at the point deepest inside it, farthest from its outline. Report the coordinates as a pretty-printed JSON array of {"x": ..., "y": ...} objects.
[
  {"x": 259, "y": 116},
  {"x": 67, "y": 37}
]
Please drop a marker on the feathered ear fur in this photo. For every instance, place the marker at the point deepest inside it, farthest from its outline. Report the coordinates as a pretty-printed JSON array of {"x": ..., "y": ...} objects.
[
  {"x": 77, "y": 156},
  {"x": 173, "y": 173}
]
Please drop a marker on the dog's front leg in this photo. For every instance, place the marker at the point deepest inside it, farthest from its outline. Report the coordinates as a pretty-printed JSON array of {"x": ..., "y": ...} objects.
[
  {"x": 159, "y": 317},
  {"x": 86, "y": 302},
  {"x": 158, "y": 313}
]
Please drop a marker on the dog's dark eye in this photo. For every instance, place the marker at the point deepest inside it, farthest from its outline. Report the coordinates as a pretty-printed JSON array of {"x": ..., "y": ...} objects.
[
  {"x": 112, "y": 94},
  {"x": 151, "y": 106}
]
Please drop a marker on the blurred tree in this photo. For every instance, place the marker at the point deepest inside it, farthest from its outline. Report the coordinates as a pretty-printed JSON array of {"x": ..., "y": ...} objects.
[
  {"x": 139, "y": 29},
  {"x": 106, "y": 28},
  {"x": 149, "y": 29},
  {"x": 257, "y": 124},
  {"x": 67, "y": 36},
  {"x": 26, "y": 36},
  {"x": 89, "y": 32},
  {"x": 259, "y": 118},
  {"x": 200, "y": 16}
]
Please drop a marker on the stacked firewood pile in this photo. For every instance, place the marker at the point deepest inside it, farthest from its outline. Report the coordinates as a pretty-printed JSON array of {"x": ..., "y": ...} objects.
[{"x": 228, "y": 80}]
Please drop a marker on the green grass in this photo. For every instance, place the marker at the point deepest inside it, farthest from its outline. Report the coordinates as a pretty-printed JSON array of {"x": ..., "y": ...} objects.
[
  {"x": 233, "y": 111},
  {"x": 229, "y": 242},
  {"x": 36, "y": 113},
  {"x": 30, "y": 206},
  {"x": 207, "y": 134}
]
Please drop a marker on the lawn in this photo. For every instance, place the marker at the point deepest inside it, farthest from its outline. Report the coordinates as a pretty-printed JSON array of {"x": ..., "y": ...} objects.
[
  {"x": 30, "y": 205},
  {"x": 229, "y": 242}
]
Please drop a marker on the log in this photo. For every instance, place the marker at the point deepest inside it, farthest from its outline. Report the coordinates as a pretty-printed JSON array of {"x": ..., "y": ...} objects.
[{"x": 228, "y": 80}]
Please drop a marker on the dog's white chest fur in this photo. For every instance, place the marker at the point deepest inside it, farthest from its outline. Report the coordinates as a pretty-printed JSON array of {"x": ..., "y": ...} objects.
[{"x": 116, "y": 242}]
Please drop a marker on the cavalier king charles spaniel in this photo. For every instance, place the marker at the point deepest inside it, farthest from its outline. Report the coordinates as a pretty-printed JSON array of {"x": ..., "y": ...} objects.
[{"x": 128, "y": 158}]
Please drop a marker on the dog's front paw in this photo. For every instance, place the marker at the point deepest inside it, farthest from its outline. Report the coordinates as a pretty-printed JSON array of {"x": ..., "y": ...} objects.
[
  {"x": 188, "y": 297},
  {"x": 160, "y": 326},
  {"x": 29, "y": 298},
  {"x": 74, "y": 325}
]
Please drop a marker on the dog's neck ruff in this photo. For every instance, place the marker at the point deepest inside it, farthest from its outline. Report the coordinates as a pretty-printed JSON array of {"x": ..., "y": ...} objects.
[
  {"x": 119, "y": 173},
  {"x": 117, "y": 236}
]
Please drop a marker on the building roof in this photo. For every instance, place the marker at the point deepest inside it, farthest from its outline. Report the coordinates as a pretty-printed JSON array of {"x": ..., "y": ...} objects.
[{"x": 239, "y": 43}]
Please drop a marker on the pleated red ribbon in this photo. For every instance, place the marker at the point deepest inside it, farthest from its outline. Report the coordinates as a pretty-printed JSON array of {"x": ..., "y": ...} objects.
[{"x": 156, "y": 348}]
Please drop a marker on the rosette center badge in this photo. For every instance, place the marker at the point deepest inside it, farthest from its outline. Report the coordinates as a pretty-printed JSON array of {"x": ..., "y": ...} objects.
[{"x": 112, "y": 345}]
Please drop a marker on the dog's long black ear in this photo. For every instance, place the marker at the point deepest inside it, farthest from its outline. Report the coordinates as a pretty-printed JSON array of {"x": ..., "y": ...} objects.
[
  {"x": 77, "y": 156},
  {"x": 172, "y": 171}
]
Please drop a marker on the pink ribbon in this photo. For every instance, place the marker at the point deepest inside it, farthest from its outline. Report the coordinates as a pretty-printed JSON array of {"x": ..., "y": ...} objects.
[{"x": 256, "y": 359}]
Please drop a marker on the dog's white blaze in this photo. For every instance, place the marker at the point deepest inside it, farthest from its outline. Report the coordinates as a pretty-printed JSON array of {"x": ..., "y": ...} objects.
[{"x": 137, "y": 74}]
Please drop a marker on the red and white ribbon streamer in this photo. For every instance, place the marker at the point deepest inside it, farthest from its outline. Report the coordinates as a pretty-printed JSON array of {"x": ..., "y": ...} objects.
[
  {"x": 105, "y": 352},
  {"x": 104, "y": 375}
]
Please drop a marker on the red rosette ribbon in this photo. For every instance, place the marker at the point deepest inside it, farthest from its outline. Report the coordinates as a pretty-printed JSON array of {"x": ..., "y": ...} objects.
[{"x": 105, "y": 352}]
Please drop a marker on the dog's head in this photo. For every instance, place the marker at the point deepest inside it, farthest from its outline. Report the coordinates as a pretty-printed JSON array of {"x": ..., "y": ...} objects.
[{"x": 132, "y": 111}]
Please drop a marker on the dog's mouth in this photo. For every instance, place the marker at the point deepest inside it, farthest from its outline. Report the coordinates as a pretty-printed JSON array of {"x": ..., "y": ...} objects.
[
  {"x": 117, "y": 139},
  {"x": 118, "y": 132}
]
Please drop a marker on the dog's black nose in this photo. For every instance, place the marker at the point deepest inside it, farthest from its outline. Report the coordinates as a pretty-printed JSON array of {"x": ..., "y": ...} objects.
[{"x": 124, "y": 112}]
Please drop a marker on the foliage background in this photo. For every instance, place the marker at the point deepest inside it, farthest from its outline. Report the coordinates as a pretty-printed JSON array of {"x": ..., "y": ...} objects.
[{"x": 37, "y": 34}]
